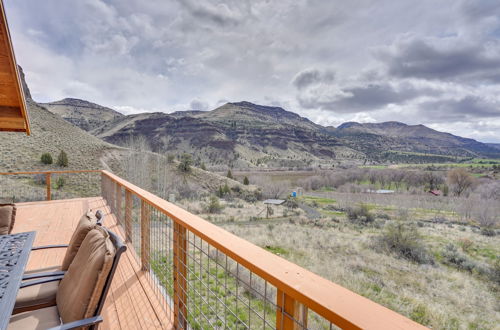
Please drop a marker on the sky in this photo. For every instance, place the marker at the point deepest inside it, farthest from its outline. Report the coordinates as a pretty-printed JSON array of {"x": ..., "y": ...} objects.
[{"x": 435, "y": 63}]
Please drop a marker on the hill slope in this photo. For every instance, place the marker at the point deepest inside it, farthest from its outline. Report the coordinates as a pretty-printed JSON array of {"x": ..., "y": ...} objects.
[
  {"x": 235, "y": 134},
  {"x": 84, "y": 114},
  {"x": 377, "y": 139}
]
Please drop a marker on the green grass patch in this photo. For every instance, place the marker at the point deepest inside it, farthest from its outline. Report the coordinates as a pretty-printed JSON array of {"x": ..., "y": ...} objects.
[{"x": 319, "y": 200}]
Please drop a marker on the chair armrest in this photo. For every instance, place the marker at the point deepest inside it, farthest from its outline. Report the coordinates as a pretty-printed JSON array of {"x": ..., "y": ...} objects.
[
  {"x": 80, "y": 323},
  {"x": 46, "y": 274},
  {"x": 49, "y": 247},
  {"x": 43, "y": 280}
]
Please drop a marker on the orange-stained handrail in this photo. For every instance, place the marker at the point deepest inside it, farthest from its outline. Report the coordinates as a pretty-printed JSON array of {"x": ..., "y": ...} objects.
[
  {"x": 335, "y": 303},
  {"x": 50, "y": 172}
]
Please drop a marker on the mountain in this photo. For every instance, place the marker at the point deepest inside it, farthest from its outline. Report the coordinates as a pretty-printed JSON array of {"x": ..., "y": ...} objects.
[
  {"x": 239, "y": 134},
  {"x": 83, "y": 114},
  {"x": 247, "y": 134},
  {"x": 381, "y": 138},
  {"x": 494, "y": 145}
]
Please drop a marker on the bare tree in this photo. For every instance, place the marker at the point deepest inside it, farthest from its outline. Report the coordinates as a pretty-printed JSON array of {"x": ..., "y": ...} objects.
[{"x": 460, "y": 181}]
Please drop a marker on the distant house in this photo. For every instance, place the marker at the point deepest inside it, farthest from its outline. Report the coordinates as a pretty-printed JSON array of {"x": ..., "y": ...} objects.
[{"x": 435, "y": 192}]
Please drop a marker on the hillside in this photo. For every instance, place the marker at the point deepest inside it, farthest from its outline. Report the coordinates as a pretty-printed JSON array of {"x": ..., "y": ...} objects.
[
  {"x": 382, "y": 140},
  {"x": 235, "y": 134},
  {"x": 84, "y": 114}
]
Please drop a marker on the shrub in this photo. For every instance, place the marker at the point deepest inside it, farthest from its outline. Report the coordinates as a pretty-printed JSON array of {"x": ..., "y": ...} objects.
[
  {"x": 460, "y": 181},
  {"x": 170, "y": 158},
  {"x": 213, "y": 205},
  {"x": 291, "y": 203},
  {"x": 226, "y": 189},
  {"x": 405, "y": 241},
  {"x": 360, "y": 214},
  {"x": 60, "y": 182},
  {"x": 229, "y": 174},
  {"x": 203, "y": 167},
  {"x": 453, "y": 257},
  {"x": 185, "y": 163},
  {"x": 465, "y": 244},
  {"x": 62, "y": 159},
  {"x": 246, "y": 182},
  {"x": 487, "y": 231},
  {"x": 46, "y": 158}
]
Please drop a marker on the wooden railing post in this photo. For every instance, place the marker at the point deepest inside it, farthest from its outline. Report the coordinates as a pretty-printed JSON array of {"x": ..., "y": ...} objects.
[
  {"x": 180, "y": 276},
  {"x": 47, "y": 182},
  {"x": 128, "y": 215},
  {"x": 145, "y": 229},
  {"x": 118, "y": 201},
  {"x": 290, "y": 314}
]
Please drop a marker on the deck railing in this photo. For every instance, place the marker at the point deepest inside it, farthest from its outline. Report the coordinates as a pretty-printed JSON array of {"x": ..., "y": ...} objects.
[{"x": 210, "y": 278}]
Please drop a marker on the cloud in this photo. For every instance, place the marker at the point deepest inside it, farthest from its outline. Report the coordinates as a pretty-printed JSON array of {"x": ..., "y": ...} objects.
[
  {"x": 443, "y": 59},
  {"x": 329, "y": 61},
  {"x": 198, "y": 105},
  {"x": 463, "y": 108},
  {"x": 310, "y": 77}
]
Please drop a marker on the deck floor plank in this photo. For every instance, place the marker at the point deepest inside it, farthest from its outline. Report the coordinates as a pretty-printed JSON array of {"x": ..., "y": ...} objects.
[{"x": 132, "y": 302}]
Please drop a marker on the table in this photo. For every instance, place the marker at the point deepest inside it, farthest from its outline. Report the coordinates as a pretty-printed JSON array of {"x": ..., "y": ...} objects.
[{"x": 14, "y": 252}]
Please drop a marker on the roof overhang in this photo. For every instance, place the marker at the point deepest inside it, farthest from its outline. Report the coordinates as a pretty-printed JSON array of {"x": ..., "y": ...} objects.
[{"x": 13, "y": 113}]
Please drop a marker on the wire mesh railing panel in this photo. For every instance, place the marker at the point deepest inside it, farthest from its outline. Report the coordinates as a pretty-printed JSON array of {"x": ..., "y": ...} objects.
[
  {"x": 220, "y": 293},
  {"x": 22, "y": 188},
  {"x": 75, "y": 185},
  {"x": 206, "y": 278},
  {"x": 42, "y": 186}
]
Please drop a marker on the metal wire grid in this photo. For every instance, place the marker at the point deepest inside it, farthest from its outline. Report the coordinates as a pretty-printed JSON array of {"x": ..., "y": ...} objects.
[
  {"x": 219, "y": 293},
  {"x": 32, "y": 187},
  {"x": 75, "y": 185},
  {"x": 22, "y": 188}
]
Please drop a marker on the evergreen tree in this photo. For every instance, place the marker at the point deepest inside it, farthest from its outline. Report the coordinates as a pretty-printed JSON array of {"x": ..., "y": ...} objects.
[
  {"x": 229, "y": 174},
  {"x": 46, "y": 158},
  {"x": 246, "y": 182},
  {"x": 62, "y": 159}
]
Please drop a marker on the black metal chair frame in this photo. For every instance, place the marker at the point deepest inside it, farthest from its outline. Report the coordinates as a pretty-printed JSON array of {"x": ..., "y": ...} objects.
[
  {"x": 97, "y": 318},
  {"x": 100, "y": 219}
]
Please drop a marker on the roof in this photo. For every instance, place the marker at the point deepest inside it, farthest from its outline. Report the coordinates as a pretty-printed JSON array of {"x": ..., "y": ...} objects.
[
  {"x": 13, "y": 114},
  {"x": 274, "y": 201}
]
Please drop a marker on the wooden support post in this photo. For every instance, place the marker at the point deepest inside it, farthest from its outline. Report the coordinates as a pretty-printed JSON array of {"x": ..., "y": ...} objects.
[
  {"x": 180, "y": 276},
  {"x": 118, "y": 201},
  {"x": 47, "y": 182},
  {"x": 128, "y": 215},
  {"x": 295, "y": 313},
  {"x": 145, "y": 230}
]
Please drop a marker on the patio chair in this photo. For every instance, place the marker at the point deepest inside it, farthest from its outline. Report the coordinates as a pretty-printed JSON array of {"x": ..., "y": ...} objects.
[
  {"x": 7, "y": 218},
  {"x": 82, "y": 292},
  {"x": 41, "y": 295}
]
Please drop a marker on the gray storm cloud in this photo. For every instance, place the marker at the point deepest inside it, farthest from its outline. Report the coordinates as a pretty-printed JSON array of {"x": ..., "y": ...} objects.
[{"x": 436, "y": 64}]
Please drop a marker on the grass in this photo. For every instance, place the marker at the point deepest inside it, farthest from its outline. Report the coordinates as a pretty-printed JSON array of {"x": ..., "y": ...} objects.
[
  {"x": 434, "y": 295},
  {"x": 319, "y": 200}
]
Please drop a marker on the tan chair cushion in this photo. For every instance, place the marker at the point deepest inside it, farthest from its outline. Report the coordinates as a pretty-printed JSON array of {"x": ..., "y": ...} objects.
[
  {"x": 86, "y": 223},
  {"x": 83, "y": 283},
  {"x": 31, "y": 297},
  {"x": 7, "y": 218},
  {"x": 35, "y": 320}
]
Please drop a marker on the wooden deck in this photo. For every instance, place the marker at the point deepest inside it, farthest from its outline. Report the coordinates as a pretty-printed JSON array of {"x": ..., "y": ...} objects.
[{"x": 131, "y": 302}]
